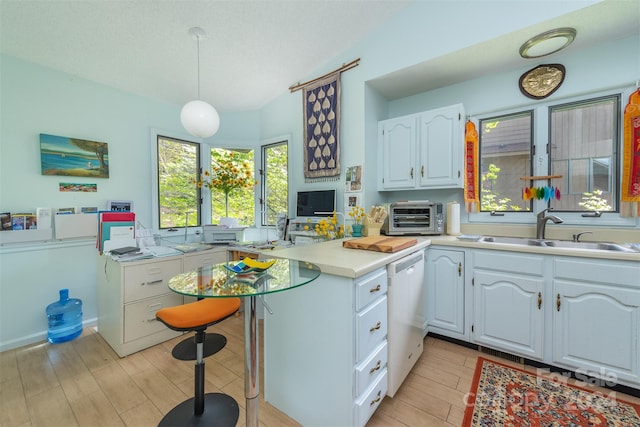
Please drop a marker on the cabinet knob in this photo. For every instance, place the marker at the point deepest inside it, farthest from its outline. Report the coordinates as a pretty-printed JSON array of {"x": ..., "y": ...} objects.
[
  {"x": 373, "y": 328},
  {"x": 558, "y": 302},
  {"x": 376, "y": 289},
  {"x": 411, "y": 173},
  {"x": 460, "y": 269},
  {"x": 422, "y": 171},
  {"x": 375, "y": 368}
]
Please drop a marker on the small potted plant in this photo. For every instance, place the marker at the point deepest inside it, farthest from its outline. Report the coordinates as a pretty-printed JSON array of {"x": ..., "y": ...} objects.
[{"x": 358, "y": 216}]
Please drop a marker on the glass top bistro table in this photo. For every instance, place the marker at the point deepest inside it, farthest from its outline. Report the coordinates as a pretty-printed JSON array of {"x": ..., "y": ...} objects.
[{"x": 217, "y": 281}]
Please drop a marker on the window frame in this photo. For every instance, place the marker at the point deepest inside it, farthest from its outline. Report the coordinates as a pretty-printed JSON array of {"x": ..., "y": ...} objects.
[
  {"x": 263, "y": 181},
  {"x": 541, "y": 162},
  {"x": 205, "y": 165}
]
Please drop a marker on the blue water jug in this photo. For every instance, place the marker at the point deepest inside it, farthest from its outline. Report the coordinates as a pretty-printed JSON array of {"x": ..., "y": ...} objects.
[{"x": 65, "y": 318}]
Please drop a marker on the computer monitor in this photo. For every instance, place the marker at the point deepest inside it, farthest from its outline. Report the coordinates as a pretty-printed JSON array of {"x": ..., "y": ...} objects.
[{"x": 315, "y": 203}]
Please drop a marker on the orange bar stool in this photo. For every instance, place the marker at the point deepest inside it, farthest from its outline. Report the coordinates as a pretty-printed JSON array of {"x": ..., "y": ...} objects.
[{"x": 203, "y": 409}]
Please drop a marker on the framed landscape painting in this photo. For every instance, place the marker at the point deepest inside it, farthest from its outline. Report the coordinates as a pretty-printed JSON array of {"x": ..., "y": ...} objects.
[{"x": 60, "y": 155}]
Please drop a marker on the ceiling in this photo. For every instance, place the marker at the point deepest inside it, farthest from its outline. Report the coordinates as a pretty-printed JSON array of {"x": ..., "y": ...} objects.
[
  {"x": 252, "y": 53},
  {"x": 253, "y": 50}
]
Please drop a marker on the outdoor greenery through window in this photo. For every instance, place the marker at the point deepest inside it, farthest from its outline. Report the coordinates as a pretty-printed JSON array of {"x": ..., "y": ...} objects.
[
  {"x": 231, "y": 183},
  {"x": 583, "y": 141},
  {"x": 178, "y": 166},
  {"x": 580, "y": 144},
  {"x": 505, "y": 156},
  {"x": 275, "y": 188},
  {"x": 201, "y": 185}
]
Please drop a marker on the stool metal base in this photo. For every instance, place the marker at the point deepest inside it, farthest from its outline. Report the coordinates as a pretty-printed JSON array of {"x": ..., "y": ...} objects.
[
  {"x": 219, "y": 410},
  {"x": 186, "y": 349}
]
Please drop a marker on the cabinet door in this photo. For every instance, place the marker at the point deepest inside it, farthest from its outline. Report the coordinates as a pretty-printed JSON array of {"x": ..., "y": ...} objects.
[
  {"x": 596, "y": 318},
  {"x": 445, "y": 291},
  {"x": 508, "y": 312},
  {"x": 397, "y": 141},
  {"x": 440, "y": 148}
]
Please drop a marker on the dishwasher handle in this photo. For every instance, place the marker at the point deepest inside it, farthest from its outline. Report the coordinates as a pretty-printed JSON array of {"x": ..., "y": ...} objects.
[{"x": 405, "y": 263}]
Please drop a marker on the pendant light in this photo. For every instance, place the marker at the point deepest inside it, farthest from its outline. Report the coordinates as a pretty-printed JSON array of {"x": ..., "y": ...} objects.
[{"x": 199, "y": 118}]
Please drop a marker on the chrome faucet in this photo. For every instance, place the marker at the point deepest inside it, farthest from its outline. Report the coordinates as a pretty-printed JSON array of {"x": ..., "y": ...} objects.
[
  {"x": 576, "y": 237},
  {"x": 542, "y": 220}
]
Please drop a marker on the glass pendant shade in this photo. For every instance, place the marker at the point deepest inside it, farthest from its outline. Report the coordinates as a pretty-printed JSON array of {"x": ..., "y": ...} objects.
[{"x": 200, "y": 119}]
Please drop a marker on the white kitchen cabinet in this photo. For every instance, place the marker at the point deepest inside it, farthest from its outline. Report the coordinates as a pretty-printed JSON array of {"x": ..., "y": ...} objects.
[
  {"x": 325, "y": 361},
  {"x": 130, "y": 294},
  {"x": 596, "y": 318},
  {"x": 444, "y": 296},
  {"x": 397, "y": 153},
  {"x": 422, "y": 151},
  {"x": 508, "y": 302},
  {"x": 440, "y": 148}
]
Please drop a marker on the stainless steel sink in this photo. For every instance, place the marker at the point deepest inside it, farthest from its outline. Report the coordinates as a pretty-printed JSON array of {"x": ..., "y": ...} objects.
[
  {"x": 589, "y": 245},
  {"x": 526, "y": 241},
  {"x": 513, "y": 240}
]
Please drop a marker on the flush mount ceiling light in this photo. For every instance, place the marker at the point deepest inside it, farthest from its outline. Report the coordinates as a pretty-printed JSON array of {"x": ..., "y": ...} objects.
[
  {"x": 548, "y": 42},
  {"x": 198, "y": 117}
]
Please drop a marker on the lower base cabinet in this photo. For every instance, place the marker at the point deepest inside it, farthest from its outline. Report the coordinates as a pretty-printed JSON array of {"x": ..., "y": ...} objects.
[
  {"x": 325, "y": 361},
  {"x": 445, "y": 290},
  {"x": 596, "y": 323},
  {"x": 582, "y": 314},
  {"x": 130, "y": 294}
]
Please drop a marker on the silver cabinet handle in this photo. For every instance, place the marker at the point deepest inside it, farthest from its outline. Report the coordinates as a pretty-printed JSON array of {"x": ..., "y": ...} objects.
[
  {"x": 375, "y": 368},
  {"x": 155, "y": 282},
  {"x": 376, "y": 400}
]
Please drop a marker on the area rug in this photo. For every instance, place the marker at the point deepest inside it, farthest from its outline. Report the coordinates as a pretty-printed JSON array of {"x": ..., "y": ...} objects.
[{"x": 505, "y": 396}]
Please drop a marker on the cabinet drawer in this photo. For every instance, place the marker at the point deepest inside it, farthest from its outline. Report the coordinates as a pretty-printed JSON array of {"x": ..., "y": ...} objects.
[
  {"x": 369, "y": 370},
  {"x": 370, "y": 287},
  {"x": 367, "y": 405},
  {"x": 206, "y": 259},
  {"x": 140, "y": 317},
  {"x": 149, "y": 279},
  {"x": 371, "y": 328}
]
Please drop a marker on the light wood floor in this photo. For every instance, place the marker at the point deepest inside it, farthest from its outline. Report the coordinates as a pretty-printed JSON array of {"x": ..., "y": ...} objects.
[{"x": 84, "y": 383}]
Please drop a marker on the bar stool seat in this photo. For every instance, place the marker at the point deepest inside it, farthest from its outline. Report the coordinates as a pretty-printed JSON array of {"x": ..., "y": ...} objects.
[{"x": 203, "y": 409}]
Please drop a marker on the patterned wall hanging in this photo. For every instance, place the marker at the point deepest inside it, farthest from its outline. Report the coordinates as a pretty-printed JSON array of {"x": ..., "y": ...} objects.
[
  {"x": 471, "y": 190},
  {"x": 631, "y": 155},
  {"x": 321, "y": 110},
  {"x": 322, "y": 129}
]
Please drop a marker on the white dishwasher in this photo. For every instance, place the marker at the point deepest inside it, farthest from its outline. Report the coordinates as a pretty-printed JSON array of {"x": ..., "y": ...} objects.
[{"x": 406, "y": 314}]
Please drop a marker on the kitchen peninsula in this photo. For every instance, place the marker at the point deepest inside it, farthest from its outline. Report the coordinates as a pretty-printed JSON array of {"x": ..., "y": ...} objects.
[{"x": 325, "y": 344}]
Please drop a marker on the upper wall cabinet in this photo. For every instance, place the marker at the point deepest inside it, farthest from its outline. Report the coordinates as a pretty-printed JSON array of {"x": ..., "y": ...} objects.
[{"x": 422, "y": 151}]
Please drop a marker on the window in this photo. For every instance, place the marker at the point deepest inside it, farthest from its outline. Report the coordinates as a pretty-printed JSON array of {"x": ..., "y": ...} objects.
[
  {"x": 238, "y": 165},
  {"x": 178, "y": 167},
  {"x": 577, "y": 141},
  {"x": 584, "y": 141},
  {"x": 275, "y": 182},
  {"x": 505, "y": 156}
]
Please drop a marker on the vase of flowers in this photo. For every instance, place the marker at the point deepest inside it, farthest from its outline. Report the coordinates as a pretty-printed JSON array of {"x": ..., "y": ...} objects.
[
  {"x": 358, "y": 216},
  {"x": 228, "y": 173},
  {"x": 329, "y": 228}
]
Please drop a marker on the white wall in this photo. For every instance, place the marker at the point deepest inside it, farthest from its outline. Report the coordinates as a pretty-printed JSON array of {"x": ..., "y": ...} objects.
[{"x": 37, "y": 100}]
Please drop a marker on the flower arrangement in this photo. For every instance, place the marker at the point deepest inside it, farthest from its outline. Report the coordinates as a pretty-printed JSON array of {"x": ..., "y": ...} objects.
[
  {"x": 357, "y": 214},
  {"x": 228, "y": 173},
  {"x": 329, "y": 227}
]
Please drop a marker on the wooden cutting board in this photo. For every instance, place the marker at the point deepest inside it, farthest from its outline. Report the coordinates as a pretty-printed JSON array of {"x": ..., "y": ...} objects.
[{"x": 380, "y": 243}]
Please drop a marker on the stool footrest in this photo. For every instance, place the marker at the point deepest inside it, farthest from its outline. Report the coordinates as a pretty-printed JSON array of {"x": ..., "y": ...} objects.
[{"x": 186, "y": 349}]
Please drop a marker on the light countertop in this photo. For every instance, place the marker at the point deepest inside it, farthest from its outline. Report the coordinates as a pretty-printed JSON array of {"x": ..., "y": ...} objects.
[{"x": 334, "y": 259}]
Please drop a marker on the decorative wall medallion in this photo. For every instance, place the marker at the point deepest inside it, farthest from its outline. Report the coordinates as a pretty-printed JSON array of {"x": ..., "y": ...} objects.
[{"x": 542, "y": 81}]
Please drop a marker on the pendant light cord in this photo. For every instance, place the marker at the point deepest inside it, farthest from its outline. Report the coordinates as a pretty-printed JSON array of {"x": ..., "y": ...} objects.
[{"x": 198, "y": 44}]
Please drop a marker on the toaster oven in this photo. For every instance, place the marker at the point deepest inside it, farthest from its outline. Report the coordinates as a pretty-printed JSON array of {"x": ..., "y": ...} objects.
[{"x": 408, "y": 218}]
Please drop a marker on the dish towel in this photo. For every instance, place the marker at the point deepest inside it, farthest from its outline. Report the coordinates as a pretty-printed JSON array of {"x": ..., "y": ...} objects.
[
  {"x": 471, "y": 190},
  {"x": 631, "y": 157}
]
